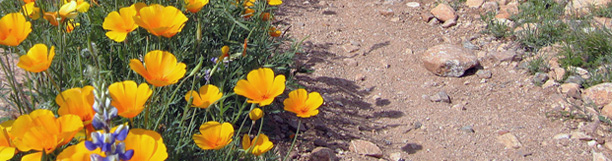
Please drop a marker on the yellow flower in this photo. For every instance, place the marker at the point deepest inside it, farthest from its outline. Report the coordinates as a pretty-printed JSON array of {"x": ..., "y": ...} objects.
[
  {"x": 28, "y": 1},
  {"x": 32, "y": 11},
  {"x": 303, "y": 104},
  {"x": 7, "y": 149},
  {"x": 14, "y": 29},
  {"x": 128, "y": 98},
  {"x": 160, "y": 20},
  {"x": 70, "y": 26},
  {"x": 68, "y": 10},
  {"x": 275, "y": 2},
  {"x": 37, "y": 59},
  {"x": 274, "y": 32},
  {"x": 256, "y": 114},
  {"x": 81, "y": 6},
  {"x": 120, "y": 24},
  {"x": 79, "y": 102},
  {"x": 195, "y": 5},
  {"x": 148, "y": 145},
  {"x": 51, "y": 17},
  {"x": 214, "y": 135},
  {"x": 40, "y": 130},
  {"x": 137, "y": 6},
  {"x": 261, "y": 144},
  {"x": 248, "y": 13},
  {"x": 207, "y": 96},
  {"x": 224, "y": 53},
  {"x": 261, "y": 86},
  {"x": 161, "y": 68},
  {"x": 78, "y": 152}
]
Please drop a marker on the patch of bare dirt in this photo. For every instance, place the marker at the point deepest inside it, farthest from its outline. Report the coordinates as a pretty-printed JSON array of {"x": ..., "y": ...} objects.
[{"x": 366, "y": 60}]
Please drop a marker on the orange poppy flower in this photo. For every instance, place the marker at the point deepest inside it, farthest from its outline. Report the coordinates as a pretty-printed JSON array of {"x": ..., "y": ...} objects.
[
  {"x": 41, "y": 131},
  {"x": 261, "y": 86},
  {"x": 261, "y": 144},
  {"x": 120, "y": 24},
  {"x": 37, "y": 59},
  {"x": 207, "y": 95},
  {"x": 214, "y": 135},
  {"x": 128, "y": 98},
  {"x": 161, "y": 68},
  {"x": 303, "y": 104},
  {"x": 14, "y": 29},
  {"x": 160, "y": 20},
  {"x": 194, "y": 6}
]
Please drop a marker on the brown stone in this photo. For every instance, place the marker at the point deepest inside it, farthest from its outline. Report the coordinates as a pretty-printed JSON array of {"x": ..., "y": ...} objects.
[
  {"x": 448, "y": 60},
  {"x": 582, "y": 6},
  {"x": 607, "y": 111},
  {"x": 366, "y": 148},
  {"x": 600, "y": 94},
  {"x": 557, "y": 73},
  {"x": 444, "y": 12},
  {"x": 490, "y": 6},
  {"x": 509, "y": 140},
  {"x": 571, "y": 89},
  {"x": 505, "y": 11},
  {"x": 427, "y": 16},
  {"x": 474, "y": 3},
  {"x": 322, "y": 154}
]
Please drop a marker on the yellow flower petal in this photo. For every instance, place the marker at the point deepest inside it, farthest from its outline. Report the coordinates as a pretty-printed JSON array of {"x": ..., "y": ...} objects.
[
  {"x": 148, "y": 145},
  {"x": 207, "y": 95},
  {"x": 303, "y": 104},
  {"x": 129, "y": 98},
  {"x": 194, "y": 6},
  {"x": 6, "y": 153},
  {"x": 68, "y": 10},
  {"x": 14, "y": 29},
  {"x": 77, "y": 101},
  {"x": 32, "y": 157},
  {"x": 40, "y": 130},
  {"x": 161, "y": 69},
  {"x": 275, "y": 2},
  {"x": 32, "y": 11},
  {"x": 261, "y": 86},
  {"x": 37, "y": 59},
  {"x": 160, "y": 20},
  {"x": 214, "y": 135},
  {"x": 120, "y": 23},
  {"x": 256, "y": 114},
  {"x": 77, "y": 152}
]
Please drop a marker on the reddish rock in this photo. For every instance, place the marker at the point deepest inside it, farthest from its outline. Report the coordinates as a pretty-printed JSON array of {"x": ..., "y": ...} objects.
[
  {"x": 474, "y": 3},
  {"x": 448, "y": 60},
  {"x": 444, "y": 12},
  {"x": 505, "y": 11},
  {"x": 571, "y": 89},
  {"x": 366, "y": 148},
  {"x": 607, "y": 111},
  {"x": 322, "y": 154},
  {"x": 600, "y": 94}
]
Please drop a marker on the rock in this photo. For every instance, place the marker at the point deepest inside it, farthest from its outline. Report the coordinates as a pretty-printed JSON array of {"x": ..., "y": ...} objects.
[
  {"x": 571, "y": 90},
  {"x": 490, "y": 6},
  {"x": 557, "y": 73},
  {"x": 539, "y": 78},
  {"x": 360, "y": 77},
  {"x": 580, "y": 71},
  {"x": 322, "y": 154},
  {"x": 608, "y": 145},
  {"x": 426, "y": 16},
  {"x": 351, "y": 62},
  {"x": 599, "y": 156},
  {"x": 474, "y": 3},
  {"x": 413, "y": 4},
  {"x": 581, "y": 136},
  {"x": 561, "y": 136},
  {"x": 397, "y": 156},
  {"x": 574, "y": 79},
  {"x": 600, "y": 94},
  {"x": 449, "y": 23},
  {"x": 505, "y": 11},
  {"x": 582, "y": 6},
  {"x": 433, "y": 21},
  {"x": 467, "y": 129},
  {"x": 523, "y": 153},
  {"x": 440, "y": 97},
  {"x": 459, "y": 107},
  {"x": 448, "y": 60},
  {"x": 509, "y": 140},
  {"x": 592, "y": 143},
  {"x": 486, "y": 74},
  {"x": 503, "y": 56},
  {"x": 607, "y": 111},
  {"x": 444, "y": 12},
  {"x": 366, "y": 148},
  {"x": 468, "y": 45},
  {"x": 387, "y": 12},
  {"x": 550, "y": 83}
]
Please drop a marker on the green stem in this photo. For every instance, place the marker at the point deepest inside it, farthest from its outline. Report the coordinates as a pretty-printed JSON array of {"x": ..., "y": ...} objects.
[
  {"x": 11, "y": 80},
  {"x": 59, "y": 90},
  {"x": 294, "y": 139},
  {"x": 148, "y": 108}
]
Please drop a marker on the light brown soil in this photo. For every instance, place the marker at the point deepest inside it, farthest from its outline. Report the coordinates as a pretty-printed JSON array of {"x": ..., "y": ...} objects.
[{"x": 376, "y": 93}]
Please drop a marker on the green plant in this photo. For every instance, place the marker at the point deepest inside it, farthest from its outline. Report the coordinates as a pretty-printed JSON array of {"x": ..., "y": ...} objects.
[{"x": 495, "y": 27}]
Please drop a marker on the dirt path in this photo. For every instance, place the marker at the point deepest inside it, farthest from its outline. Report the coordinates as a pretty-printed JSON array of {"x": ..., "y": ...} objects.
[{"x": 366, "y": 60}]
